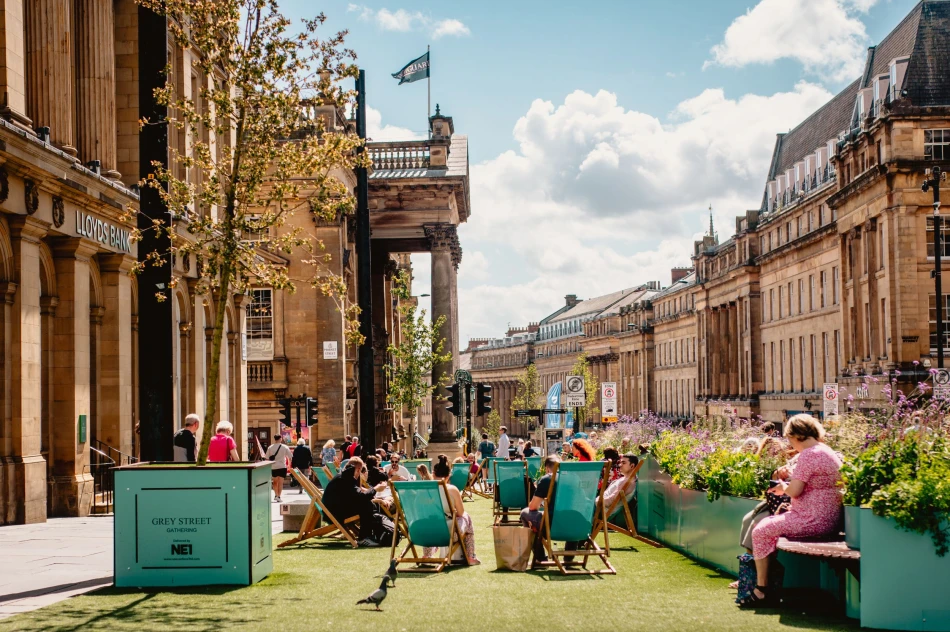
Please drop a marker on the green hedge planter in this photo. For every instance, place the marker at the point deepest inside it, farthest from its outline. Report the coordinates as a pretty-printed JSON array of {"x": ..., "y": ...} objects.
[
  {"x": 852, "y": 525},
  {"x": 177, "y": 524},
  {"x": 904, "y": 585}
]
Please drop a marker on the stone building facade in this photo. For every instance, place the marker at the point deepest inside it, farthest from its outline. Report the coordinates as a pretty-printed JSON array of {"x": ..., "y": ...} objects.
[{"x": 830, "y": 280}]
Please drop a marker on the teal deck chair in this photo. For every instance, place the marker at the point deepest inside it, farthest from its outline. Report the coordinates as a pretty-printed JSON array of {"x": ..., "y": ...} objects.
[
  {"x": 460, "y": 477},
  {"x": 334, "y": 470},
  {"x": 488, "y": 475},
  {"x": 343, "y": 464},
  {"x": 511, "y": 488},
  {"x": 323, "y": 475},
  {"x": 574, "y": 512},
  {"x": 421, "y": 513},
  {"x": 535, "y": 465},
  {"x": 412, "y": 464}
]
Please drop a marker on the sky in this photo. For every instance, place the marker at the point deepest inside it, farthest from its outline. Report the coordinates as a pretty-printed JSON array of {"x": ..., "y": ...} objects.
[{"x": 600, "y": 133}]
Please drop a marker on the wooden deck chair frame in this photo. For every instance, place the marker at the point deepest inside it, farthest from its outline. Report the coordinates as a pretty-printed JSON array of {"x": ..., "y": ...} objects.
[
  {"x": 479, "y": 485},
  {"x": 621, "y": 501},
  {"x": 327, "y": 472},
  {"x": 498, "y": 511},
  {"x": 590, "y": 547},
  {"x": 330, "y": 467},
  {"x": 466, "y": 490},
  {"x": 310, "y": 529},
  {"x": 455, "y": 537}
]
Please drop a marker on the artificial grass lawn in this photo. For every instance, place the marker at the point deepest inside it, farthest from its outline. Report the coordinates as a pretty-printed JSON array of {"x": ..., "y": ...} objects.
[{"x": 316, "y": 586}]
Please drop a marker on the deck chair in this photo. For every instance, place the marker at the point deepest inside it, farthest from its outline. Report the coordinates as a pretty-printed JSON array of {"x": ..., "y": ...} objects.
[
  {"x": 461, "y": 477},
  {"x": 420, "y": 509},
  {"x": 620, "y": 511},
  {"x": 323, "y": 475},
  {"x": 511, "y": 489},
  {"x": 411, "y": 464},
  {"x": 535, "y": 466},
  {"x": 310, "y": 528},
  {"x": 570, "y": 516},
  {"x": 487, "y": 477},
  {"x": 333, "y": 469},
  {"x": 343, "y": 465}
]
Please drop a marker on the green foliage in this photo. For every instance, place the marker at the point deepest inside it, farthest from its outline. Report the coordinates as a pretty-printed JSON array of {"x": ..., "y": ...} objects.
[
  {"x": 530, "y": 393},
  {"x": 492, "y": 427},
  {"x": 905, "y": 477},
  {"x": 419, "y": 350}
]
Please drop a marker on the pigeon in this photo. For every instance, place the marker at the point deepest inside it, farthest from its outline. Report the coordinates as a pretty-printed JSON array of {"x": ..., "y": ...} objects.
[
  {"x": 391, "y": 573},
  {"x": 377, "y": 596}
]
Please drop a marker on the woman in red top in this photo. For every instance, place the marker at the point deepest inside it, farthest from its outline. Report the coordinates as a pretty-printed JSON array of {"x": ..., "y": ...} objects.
[
  {"x": 223, "y": 448},
  {"x": 583, "y": 451}
]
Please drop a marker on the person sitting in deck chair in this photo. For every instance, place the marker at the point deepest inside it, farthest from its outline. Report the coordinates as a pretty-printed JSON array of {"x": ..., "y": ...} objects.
[
  {"x": 532, "y": 514},
  {"x": 627, "y": 481},
  {"x": 344, "y": 497}
]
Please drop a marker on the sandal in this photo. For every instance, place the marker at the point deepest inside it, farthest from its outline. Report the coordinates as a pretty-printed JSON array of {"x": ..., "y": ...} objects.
[
  {"x": 734, "y": 585},
  {"x": 754, "y": 600}
]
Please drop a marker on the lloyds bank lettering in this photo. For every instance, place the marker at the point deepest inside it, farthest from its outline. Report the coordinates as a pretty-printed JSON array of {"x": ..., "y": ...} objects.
[{"x": 103, "y": 232}]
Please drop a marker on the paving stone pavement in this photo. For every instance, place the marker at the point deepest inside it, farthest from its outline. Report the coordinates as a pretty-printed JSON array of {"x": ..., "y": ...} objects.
[{"x": 63, "y": 557}]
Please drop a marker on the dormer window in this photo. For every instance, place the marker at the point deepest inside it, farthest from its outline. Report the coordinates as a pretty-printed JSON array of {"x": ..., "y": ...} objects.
[{"x": 896, "y": 70}]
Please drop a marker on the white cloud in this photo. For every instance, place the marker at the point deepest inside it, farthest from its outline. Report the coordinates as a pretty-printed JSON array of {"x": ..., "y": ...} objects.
[
  {"x": 404, "y": 21},
  {"x": 449, "y": 27},
  {"x": 826, "y": 36},
  {"x": 598, "y": 197},
  {"x": 376, "y": 130},
  {"x": 474, "y": 267}
]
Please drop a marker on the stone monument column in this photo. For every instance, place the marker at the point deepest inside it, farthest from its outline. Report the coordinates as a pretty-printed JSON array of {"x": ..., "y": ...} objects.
[
  {"x": 49, "y": 70},
  {"x": 95, "y": 84},
  {"x": 115, "y": 378},
  {"x": 441, "y": 241}
]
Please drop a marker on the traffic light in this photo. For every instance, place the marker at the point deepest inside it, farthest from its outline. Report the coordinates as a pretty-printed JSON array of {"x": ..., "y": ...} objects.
[
  {"x": 312, "y": 411},
  {"x": 482, "y": 399},
  {"x": 454, "y": 399},
  {"x": 285, "y": 412}
]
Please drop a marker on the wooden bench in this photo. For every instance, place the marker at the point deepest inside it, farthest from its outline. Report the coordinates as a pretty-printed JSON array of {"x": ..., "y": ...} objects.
[{"x": 833, "y": 550}]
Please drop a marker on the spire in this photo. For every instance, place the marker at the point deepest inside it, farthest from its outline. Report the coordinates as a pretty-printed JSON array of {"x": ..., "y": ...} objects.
[{"x": 711, "y": 232}]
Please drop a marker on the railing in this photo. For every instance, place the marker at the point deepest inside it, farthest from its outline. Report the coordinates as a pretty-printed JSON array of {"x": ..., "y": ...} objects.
[
  {"x": 412, "y": 154},
  {"x": 117, "y": 457},
  {"x": 103, "y": 480},
  {"x": 260, "y": 372}
]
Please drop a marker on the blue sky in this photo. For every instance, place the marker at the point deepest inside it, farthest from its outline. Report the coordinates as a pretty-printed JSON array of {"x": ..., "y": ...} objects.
[{"x": 600, "y": 132}]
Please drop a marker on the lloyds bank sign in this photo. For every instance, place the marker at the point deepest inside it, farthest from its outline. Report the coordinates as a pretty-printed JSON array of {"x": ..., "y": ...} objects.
[{"x": 105, "y": 233}]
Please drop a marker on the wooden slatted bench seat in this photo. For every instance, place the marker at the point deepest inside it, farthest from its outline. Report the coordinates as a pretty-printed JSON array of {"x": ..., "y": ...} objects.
[{"x": 833, "y": 550}]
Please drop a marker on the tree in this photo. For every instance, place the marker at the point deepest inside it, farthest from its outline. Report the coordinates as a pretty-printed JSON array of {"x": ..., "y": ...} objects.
[
  {"x": 248, "y": 168},
  {"x": 530, "y": 393},
  {"x": 492, "y": 427},
  {"x": 418, "y": 351},
  {"x": 591, "y": 388}
]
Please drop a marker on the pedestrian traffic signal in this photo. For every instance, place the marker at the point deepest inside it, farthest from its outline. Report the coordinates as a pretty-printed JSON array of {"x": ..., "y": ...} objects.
[
  {"x": 454, "y": 399},
  {"x": 482, "y": 399},
  {"x": 312, "y": 411},
  {"x": 285, "y": 412}
]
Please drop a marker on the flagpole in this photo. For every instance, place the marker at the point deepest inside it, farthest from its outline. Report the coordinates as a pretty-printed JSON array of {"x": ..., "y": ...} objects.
[{"x": 429, "y": 88}]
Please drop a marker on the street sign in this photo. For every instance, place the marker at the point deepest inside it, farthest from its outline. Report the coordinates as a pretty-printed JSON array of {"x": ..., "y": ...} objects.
[
  {"x": 575, "y": 395},
  {"x": 329, "y": 350},
  {"x": 553, "y": 411},
  {"x": 608, "y": 399},
  {"x": 942, "y": 382},
  {"x": 830, "y": 399},
  {"x": 532, "y": 412}
]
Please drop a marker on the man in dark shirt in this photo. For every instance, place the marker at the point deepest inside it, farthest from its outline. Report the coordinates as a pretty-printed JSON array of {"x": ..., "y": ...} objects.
[
  {"x": 532, "y": 514},
  {"x": 344, "y": 497},
  {"x": 344, "y": 449},
  {"x": 184, "y": 440}
]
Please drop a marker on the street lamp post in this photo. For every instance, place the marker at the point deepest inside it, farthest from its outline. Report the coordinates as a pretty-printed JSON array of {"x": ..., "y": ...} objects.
[{"x": 934, "y": 176}]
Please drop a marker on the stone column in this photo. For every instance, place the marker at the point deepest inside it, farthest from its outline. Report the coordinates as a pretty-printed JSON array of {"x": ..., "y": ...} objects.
[
  {"x": 95, "y": 84},
  {"x": 441, "y": 239},
  {"x": 49, "y": 69},
  {"x": 115, "y": 409},
  {"x": 28, "y": 466},
  {"x": 456, "y": 343},
  {"x": 71, "y": 486},
  {"x": 12, "y": 66}
]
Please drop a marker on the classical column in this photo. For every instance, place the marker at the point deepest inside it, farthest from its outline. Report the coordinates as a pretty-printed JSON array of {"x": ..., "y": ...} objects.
[
  {"x": 29, "y": 467},
  {"x": 95, "y": 84},
  {"x": 441, "y": 239},
  {"x": 115, "y": 361},
  {"x": 12, "y": 65},
  {"x": 456, "y": 261},
  {"x": 49, "y": 70},
  {"x": 71, "y": 485}
]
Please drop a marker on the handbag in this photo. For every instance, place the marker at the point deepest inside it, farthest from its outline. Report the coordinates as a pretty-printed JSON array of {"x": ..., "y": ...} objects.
[
  {"x": 777, "y": 504},
  {"x": 513, "y": 545}
]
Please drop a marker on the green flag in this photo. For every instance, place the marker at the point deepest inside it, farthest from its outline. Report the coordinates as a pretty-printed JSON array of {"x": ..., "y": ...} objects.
[{"x": 414, "y": 71}]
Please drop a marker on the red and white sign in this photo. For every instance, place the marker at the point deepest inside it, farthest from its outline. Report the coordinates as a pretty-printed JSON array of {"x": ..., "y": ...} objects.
[
  {"x": 608, "y": 401},
  {"x": 830, "y": 399}
]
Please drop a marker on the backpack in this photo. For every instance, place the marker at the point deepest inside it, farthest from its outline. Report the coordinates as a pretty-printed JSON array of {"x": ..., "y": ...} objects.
[
  {"x": 747, "y": 577},
  {"x": 384, "y": 530}
]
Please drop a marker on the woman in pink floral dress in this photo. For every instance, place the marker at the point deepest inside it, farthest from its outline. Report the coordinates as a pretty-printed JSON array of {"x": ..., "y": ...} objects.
[{"x": 816, "y": 499}]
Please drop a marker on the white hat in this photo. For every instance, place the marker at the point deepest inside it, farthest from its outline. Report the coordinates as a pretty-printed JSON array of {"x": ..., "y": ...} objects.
[{"x": 300, "y": 441}]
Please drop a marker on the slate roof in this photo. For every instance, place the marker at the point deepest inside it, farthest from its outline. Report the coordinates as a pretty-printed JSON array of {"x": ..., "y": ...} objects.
[
  {"x": 686, "y": 281},
  {"x": 924, "y": 35}
]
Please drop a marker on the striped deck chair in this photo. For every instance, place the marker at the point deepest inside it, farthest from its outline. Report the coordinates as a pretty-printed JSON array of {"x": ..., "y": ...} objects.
[
  {"x": 511, "y": 489},
  {"x": 570, "y": 515},
  {"x": 619, "y": 513},
  {"x": 348, "y": 528},
  {"x": 420, "y": 509}
]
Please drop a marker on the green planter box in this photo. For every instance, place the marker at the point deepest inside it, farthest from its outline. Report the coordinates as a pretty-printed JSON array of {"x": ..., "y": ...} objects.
[
  {"x": 904, "y": 585},
  {"x": 852, "y": 525},
  {"x": 181, "y": 525}
]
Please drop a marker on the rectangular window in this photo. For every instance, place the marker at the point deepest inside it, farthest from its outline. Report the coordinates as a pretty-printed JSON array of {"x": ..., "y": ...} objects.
[
  {"x": 814, "y": 363},
  {"x": 837, "y": 358},
  {"x": 798, "y": 226},
  {"x": 944, "y": 237},
  {"x": 781, "y": 351},
  {"x": 789, "y": 298},
  {"x": 811, "y": 292},
  {"x": 823, "y": 285},
  {"x": 933, "y": 322},
  {"x": 826, "y": 356},
  {"x": 936, "y": 143},
  {"x": 260, "y": 325},
  {"x": 883, "y": 326},
  {"x": 772, "y": 305},
  {"x": 768, "y": 367},
  {"x": 781, "y": 301},
  {"x": 801, "y": 363},
  {"x": 801, "y": 296},
  {"x": 880, "y": 247},
  {"x": 834, "y": 285}
]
